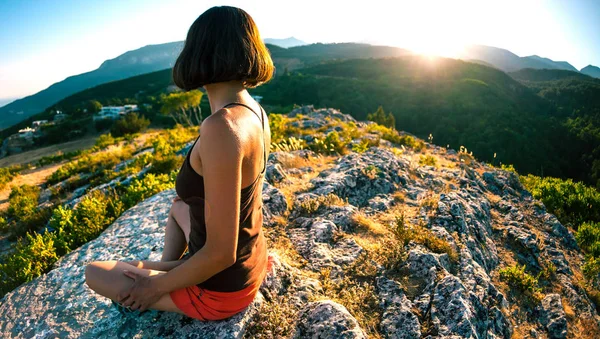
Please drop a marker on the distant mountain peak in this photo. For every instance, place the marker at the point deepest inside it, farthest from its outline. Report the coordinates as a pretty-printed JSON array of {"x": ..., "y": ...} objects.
[
  {"x": 510, "y": 62},
  {"x": 591, "y": 70},
  {"x": 286, "y": 42}
]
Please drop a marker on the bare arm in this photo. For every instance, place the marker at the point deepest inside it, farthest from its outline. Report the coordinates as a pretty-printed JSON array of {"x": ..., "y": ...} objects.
[
  {"x": 221, "y": 154},
  {"x": 156, "y": 265}
]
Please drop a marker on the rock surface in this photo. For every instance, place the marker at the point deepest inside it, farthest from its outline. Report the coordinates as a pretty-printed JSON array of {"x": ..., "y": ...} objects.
[
  {"x": 60, "y": 305},
  {"x": 483, "y": 215},
  {"x": 327, "y": 319}
]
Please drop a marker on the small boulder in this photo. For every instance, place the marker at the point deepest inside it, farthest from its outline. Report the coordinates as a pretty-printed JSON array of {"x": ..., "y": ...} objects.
[{"x": 327, "y": 319}]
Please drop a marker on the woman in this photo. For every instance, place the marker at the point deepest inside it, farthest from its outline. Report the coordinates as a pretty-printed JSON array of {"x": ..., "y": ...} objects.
[{"x": 218, "y": 209}]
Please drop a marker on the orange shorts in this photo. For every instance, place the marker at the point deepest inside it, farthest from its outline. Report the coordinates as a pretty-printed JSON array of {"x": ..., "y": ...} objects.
[{"x": 202, "y": 304}]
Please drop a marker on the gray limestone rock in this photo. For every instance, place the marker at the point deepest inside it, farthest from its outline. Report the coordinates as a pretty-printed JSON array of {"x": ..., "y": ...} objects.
[
  {"x": 327, "y": 319},
  {"x": 553, "y": 316}
]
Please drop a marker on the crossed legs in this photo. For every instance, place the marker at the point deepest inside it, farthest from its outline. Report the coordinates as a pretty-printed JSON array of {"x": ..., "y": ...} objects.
[{"x": 106, "y": 277}]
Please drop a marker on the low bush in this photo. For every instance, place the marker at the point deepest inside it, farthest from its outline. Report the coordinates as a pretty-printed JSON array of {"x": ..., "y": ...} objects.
[
  {"x": 166, "y": 164},
  {"x": 588, "y": 238},
  {"x": 23, "y": 201},
  {"x": 365, "y": 144},
  {"x": 281, "y": 128},
  {"x": 30, "y": 259},
  {"x": 24, "y": 212},
  {"x": 91, "y": 216},
  {"x": 312, "y": 205},
  {"x": 518, "y": 278},
  {"x": 423, "y": 236},
  {"x": 92, "y": 163},
  {"x": 331, "y": 144},
  {"x": 140, "y": 189},
  {"x": 571, "y": 202},
  {"x": 427, "y": 160},
  {"x": 131, "y": 123},
  {"x": 6, "y": 176},
  {"x": 104, "y": 141}
]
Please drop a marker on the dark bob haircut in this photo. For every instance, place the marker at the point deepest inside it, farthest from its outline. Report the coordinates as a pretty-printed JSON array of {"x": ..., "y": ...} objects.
[{"x": 223, "y": 44}]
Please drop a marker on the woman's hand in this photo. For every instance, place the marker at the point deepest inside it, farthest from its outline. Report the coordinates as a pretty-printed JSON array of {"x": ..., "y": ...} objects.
[
  {"x": 177, "y": 198},
  {"x": 141, "y": 294}
]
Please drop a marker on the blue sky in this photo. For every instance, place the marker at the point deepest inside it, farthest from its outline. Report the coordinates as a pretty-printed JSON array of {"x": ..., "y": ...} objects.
[{"x": 43, "y": 42}]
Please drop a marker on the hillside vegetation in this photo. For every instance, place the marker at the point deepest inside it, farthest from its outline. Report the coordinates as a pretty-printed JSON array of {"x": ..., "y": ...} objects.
[{"x": 543, "y": 127}]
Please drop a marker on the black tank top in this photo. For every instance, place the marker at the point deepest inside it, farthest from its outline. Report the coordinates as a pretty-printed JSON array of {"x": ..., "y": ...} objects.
[{"x": 251, "y": 260}]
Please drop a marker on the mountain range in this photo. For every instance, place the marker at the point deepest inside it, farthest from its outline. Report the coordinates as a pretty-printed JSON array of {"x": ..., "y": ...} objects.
[
  {"x": 288, "y": 54},
  {"x": 285, "y": 43}
]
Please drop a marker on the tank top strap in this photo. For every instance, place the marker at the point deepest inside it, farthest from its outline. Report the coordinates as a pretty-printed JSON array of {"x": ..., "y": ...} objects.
[{"x": 262, "y": 121}]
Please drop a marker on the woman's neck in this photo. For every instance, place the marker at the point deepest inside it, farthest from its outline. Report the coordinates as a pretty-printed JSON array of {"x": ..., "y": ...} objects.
[{"x": 223, "y": 93}]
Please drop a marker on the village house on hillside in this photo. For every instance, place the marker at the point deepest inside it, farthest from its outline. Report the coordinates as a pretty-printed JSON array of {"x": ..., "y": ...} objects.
[
  {"x": 22, "y": 140},
  {"x": 114, "y": 112}
]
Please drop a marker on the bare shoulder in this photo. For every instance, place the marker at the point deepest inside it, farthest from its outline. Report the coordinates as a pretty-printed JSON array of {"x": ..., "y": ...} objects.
[{"x": 218, "y": 135}]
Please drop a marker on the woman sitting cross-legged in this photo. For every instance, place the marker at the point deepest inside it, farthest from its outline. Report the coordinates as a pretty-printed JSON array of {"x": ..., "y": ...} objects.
[{"x": 218, "y": 210}]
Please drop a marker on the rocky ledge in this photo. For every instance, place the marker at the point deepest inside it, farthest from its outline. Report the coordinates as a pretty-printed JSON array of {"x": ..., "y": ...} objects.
[{"x": 344, "y": 266}]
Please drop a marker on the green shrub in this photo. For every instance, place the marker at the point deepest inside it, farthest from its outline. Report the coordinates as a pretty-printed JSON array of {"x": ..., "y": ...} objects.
[
  {"x": 105, "y": 140},
  {"x": 6, "y": 176},
  {"x": 331, "y": 144},
  {"x": 591, "y": 269},
  {"x": 140, "y": 189},
  {"x": 281, "y": 128},
  {"x": 516, "y": 277},
  {"x": 427, "y": 160},
  {"x": 423, "y": 236},
  {"x": 365, "y": 144},
  {"x": 166, "y": 164},
  {"x": 509, "y": 168},
  {"x": 571, "y": 202},
  {"x": 23, "y": 201},
  {"x": 93, "y": 163},
  {"x": 588, "y": 238},
  {"x": 131, "y": 123},
  {"x": 30, "y": 259}
]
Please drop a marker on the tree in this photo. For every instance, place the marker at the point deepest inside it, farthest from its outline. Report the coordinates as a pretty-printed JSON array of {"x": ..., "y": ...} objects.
[
  {"x": 381, "y": 118},
  {"x": 93, "y": 106},
  {"x": 183, "y": 107},
  {"x": 131, "y": 123}
]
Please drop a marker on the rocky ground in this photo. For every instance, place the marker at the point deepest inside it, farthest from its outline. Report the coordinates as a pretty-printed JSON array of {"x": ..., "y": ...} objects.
[{"x": 393, "y": 241}]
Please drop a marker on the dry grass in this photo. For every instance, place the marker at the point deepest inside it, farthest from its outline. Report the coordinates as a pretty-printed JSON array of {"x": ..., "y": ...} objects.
[
  {"x": 359, "y": 297},
  {"x": 275, "y": 319},
  {"x": 32, "y": 177},
  {"x": 368, "y": 224}
]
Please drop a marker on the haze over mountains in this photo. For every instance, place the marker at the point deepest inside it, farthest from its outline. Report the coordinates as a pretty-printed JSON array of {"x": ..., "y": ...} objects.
[{"x": 288, "y": 54}]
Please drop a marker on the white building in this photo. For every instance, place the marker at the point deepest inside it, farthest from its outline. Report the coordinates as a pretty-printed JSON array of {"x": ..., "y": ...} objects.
[
  {"x": 38, "y": 123},
  {"x": 110, "y": 112},
  {"x": 131, "y": 108}
]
